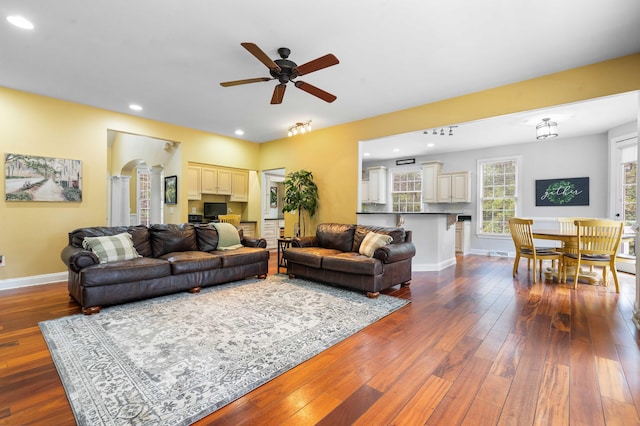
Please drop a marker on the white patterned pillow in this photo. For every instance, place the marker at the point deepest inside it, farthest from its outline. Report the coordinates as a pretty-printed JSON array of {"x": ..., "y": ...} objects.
[
  {"x": 112, "y": 247},
  {"x": 372, "y": 241}
]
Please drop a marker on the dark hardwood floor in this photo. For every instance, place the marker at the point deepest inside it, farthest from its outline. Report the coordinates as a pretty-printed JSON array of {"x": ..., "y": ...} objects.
[{"x": 475, "y": 347}]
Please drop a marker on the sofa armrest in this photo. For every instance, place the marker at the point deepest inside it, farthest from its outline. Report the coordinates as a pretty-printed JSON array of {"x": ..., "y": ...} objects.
[
  {"x": 254, "y": 242},
  {"x": 77, "y": 258},
  {"x": 395, "y": 252},
  {"x": 305, "y": 242}
]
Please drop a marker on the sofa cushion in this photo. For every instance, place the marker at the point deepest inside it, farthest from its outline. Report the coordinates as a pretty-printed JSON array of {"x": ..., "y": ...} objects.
[
  {"x": 168, "y": 238},
  {"x": 308, "y": 256},
  {"x": 125, "y": 271},
  {"x": 335, "y": 236},
  {"x": 110, "y": 248},
  {"x": 183, "y": 262},
  {"x": 398, "y": 234},
  {"x": 372, "y": 241},
  {"x": 242, "y": 256},
  {"x": 228, "y": 237},
  {"x": 352, "y": 263}
]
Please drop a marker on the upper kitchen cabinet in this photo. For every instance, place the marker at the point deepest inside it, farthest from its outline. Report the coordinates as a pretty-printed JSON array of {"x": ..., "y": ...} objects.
[
  {"x": 193, "y": 183},
  {"x": 215, "y": 181},
  {"x": 377, "y": 185},
  {"x": 430, "y": 172},
  {"x": 239, "y": 186},
  {"x": 438, "y": 187},
  {"x": 454, "y": 187}
]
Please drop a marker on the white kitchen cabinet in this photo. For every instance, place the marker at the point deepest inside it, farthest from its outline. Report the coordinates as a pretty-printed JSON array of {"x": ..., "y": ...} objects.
[
  {"x": 453, "y": 187},
  {"x": 430, "y": 172},
  {"x": 463, "y": 237},
  {"x": 378, "y": 185},
  {"x": 193, "y": 183},
  {"x": 215, "y": 180},
  {"x": 364, "y": 191},
  {"x": 239, "y": 186}
]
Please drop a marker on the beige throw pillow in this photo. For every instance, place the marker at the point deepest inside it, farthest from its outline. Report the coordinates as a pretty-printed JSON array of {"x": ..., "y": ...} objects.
[
  {"x": 111, "y": 248},
  {"x": 372, "y": 241}
]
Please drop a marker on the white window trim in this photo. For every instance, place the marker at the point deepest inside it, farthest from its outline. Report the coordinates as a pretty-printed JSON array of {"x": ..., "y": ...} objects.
[{"x": 518, "y": 160}]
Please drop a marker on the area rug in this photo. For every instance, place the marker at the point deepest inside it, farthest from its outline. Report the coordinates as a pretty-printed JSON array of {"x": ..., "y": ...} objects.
[{"x": 173, "y": 360}]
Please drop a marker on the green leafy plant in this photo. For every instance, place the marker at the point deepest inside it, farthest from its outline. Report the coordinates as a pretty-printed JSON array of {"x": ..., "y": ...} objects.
[{"x": 301, "y": 194}]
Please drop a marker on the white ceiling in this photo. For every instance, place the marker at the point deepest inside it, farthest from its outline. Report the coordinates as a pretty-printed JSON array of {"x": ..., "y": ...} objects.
[
  {"x": 170, "y": 56},
  {"x": 578, "y": 119}
]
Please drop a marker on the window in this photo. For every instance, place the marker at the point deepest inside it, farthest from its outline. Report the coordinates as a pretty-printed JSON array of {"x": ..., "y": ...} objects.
[
  {"x": 143, "y": 185},
  {"x": 407, "y": 192},
  {"x": 629, "y": 200},
  {"x": 499, "y": 190}
]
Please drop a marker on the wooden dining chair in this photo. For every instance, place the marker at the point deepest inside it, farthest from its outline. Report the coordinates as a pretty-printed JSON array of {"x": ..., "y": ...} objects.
[
  {"x": 233, "y": 219},
  {"x": 523, "y": 240},
  {"x": 597, "y": 242},
  {"x": 568, "y": 225}
]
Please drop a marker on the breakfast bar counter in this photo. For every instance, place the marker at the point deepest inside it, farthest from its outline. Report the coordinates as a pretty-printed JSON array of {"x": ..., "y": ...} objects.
[{"x": 434, "y": 235}]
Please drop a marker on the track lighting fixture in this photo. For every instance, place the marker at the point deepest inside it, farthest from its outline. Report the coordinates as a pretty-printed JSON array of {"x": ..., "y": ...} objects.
[
  {"x": 299, "y": 128},
  {"x": 442, "y": 132}
]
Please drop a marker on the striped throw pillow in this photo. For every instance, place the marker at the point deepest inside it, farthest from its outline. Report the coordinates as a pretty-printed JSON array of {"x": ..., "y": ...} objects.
[
  {"x": 372, "y": 241},
  {"x": 111, "y": 248}
]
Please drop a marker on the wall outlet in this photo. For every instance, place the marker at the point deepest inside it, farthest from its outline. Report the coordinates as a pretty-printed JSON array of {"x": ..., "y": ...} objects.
[{"x": 2, "y": 261}]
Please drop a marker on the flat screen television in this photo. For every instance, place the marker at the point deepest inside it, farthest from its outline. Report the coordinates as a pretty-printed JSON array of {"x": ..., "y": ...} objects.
[{"x": 213, "y": 210}]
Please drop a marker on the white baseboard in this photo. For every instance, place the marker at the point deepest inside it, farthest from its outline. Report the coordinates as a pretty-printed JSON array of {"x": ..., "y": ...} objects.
[
  {"x": 426, "y": 267},
  {"x": 33, "y": 280}
]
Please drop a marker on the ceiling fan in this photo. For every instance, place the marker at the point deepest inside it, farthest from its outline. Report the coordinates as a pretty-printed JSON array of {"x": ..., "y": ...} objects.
[{"x": 286, "y": 71}]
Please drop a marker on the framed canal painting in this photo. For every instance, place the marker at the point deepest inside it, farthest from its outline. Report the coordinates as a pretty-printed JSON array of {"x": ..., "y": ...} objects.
[
  {"x": 562, "y": 192},
  {"x": 33, "y": 178}
]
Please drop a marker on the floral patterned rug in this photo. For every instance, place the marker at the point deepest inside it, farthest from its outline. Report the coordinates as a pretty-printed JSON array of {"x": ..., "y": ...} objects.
[{"x": 173, "y": 360}]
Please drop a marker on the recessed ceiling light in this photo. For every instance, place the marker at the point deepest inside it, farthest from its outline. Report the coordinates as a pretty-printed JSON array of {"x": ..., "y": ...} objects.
[
  {"x": 20, "y": 22},
  {"x": 239, "y": 132},
  {"x": 396, "y": 150},
  {"x": 430, "y": 145},
  {"x": 135, "y": 107},
  {"x": 366, "y": 154}
]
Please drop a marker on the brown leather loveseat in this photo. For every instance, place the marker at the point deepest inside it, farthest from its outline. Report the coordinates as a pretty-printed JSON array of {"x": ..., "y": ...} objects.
[
  {"x": 169, "y": 258},
  {"x": 336, "y": 255}
]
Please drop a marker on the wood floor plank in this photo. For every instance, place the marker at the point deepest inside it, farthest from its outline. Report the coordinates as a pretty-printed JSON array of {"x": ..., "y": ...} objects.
[
  {"x": 553, "y": 399},
  {"x": 475, "y": 347}
]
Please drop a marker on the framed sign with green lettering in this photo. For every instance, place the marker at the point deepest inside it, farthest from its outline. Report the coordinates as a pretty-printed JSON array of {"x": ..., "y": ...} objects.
[{"x": 562, "y": 192}]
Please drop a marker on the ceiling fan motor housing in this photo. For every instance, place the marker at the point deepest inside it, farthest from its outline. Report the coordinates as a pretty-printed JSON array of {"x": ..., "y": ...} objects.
[{"x": 286, "y": 72}]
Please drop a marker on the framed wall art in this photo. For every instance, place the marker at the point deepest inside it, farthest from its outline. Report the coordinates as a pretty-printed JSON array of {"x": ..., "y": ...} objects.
[
  {"x": 33, "y": 178},
  {"x": 562, "y": 192},
  {"x": 171, "y": 190}
]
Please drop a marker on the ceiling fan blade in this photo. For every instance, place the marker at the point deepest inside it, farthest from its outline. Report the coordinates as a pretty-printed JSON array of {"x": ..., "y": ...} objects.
[
  {"x": 278, "y": 94},
  {"x": 260, "y": 55},
  {"x": 317, "y": 64},
  {"x": 247, "y": 81},
  {"x": 313, "y": 90}
]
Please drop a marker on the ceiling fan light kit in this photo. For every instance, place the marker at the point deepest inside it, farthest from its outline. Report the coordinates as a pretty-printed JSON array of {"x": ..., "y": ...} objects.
[
  {"x": 286, "y": 71},
  {"x": 546, "y": 129}
]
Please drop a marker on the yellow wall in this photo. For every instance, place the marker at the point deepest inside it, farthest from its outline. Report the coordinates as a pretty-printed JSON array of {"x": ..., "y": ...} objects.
[
  {"x": 33, "y": 233},
  {"x": 332, "y": 154}
]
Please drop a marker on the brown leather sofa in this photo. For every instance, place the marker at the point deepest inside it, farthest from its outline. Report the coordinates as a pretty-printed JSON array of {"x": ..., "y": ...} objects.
[
  {"x": 332, "y": 256},
  {"x": 174, "y": 258}
]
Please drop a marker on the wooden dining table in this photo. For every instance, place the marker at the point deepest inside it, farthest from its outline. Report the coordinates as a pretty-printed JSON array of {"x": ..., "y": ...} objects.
[{"x": 570, "y": 239}]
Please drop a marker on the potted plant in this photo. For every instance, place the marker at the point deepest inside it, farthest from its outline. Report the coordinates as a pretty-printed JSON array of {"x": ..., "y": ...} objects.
[{"x": 301, "y": 194}]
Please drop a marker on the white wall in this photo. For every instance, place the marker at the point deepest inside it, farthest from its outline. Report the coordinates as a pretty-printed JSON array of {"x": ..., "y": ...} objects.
[{"x": 585, "y": 156}]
